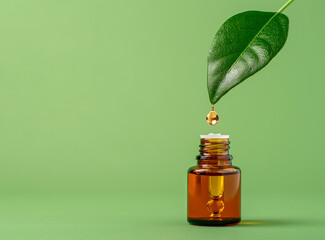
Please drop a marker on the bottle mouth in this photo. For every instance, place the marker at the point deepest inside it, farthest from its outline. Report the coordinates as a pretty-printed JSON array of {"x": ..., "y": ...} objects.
[
  {"x": 214, "y": 147},
  {"x": 214, "y": 136}
]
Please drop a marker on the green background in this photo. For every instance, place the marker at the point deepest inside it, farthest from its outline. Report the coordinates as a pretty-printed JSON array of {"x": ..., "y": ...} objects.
[{"x": 102, "y": 104}]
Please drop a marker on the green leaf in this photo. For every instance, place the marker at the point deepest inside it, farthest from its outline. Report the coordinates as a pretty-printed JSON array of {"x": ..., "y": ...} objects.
[{"x": 243, "y": 45}]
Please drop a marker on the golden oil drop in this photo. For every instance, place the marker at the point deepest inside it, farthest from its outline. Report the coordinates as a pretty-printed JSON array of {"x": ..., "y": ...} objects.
[{"x": 212, "y": 118}]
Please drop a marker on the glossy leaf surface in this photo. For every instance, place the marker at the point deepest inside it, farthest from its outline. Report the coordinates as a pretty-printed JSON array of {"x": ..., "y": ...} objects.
[{"x": 243, "y": 45}]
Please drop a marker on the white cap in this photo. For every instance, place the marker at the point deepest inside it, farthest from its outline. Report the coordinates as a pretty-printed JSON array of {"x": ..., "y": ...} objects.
[{"x": 214, "y": 135}]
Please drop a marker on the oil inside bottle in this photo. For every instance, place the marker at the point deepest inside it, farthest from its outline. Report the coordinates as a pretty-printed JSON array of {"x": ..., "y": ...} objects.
[
  {"x": 216, "y": 189},
  {"x": 212, "y": 118},
  {"x": 214, "y": 198}
]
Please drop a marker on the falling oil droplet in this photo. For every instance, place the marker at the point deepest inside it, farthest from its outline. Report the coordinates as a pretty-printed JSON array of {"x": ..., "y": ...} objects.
[{"x": 212, "y": 117}]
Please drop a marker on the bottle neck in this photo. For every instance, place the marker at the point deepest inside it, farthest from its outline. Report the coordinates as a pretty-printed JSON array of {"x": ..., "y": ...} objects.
[{"x": 214, "y": 151}]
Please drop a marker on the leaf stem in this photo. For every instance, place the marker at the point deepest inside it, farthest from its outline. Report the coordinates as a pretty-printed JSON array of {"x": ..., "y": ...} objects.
[{"x": 285, "y": 6}]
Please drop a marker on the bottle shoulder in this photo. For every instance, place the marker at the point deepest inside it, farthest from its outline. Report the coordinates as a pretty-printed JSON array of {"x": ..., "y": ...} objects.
[{"x": 211, "y": 170}]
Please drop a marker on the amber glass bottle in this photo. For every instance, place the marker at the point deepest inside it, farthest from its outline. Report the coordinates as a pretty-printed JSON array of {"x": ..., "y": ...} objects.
[{"x": 213, "y": 194}]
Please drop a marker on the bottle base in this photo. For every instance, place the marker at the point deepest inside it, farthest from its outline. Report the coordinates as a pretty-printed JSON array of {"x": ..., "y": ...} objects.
[{"x": 214, "y": 222}]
